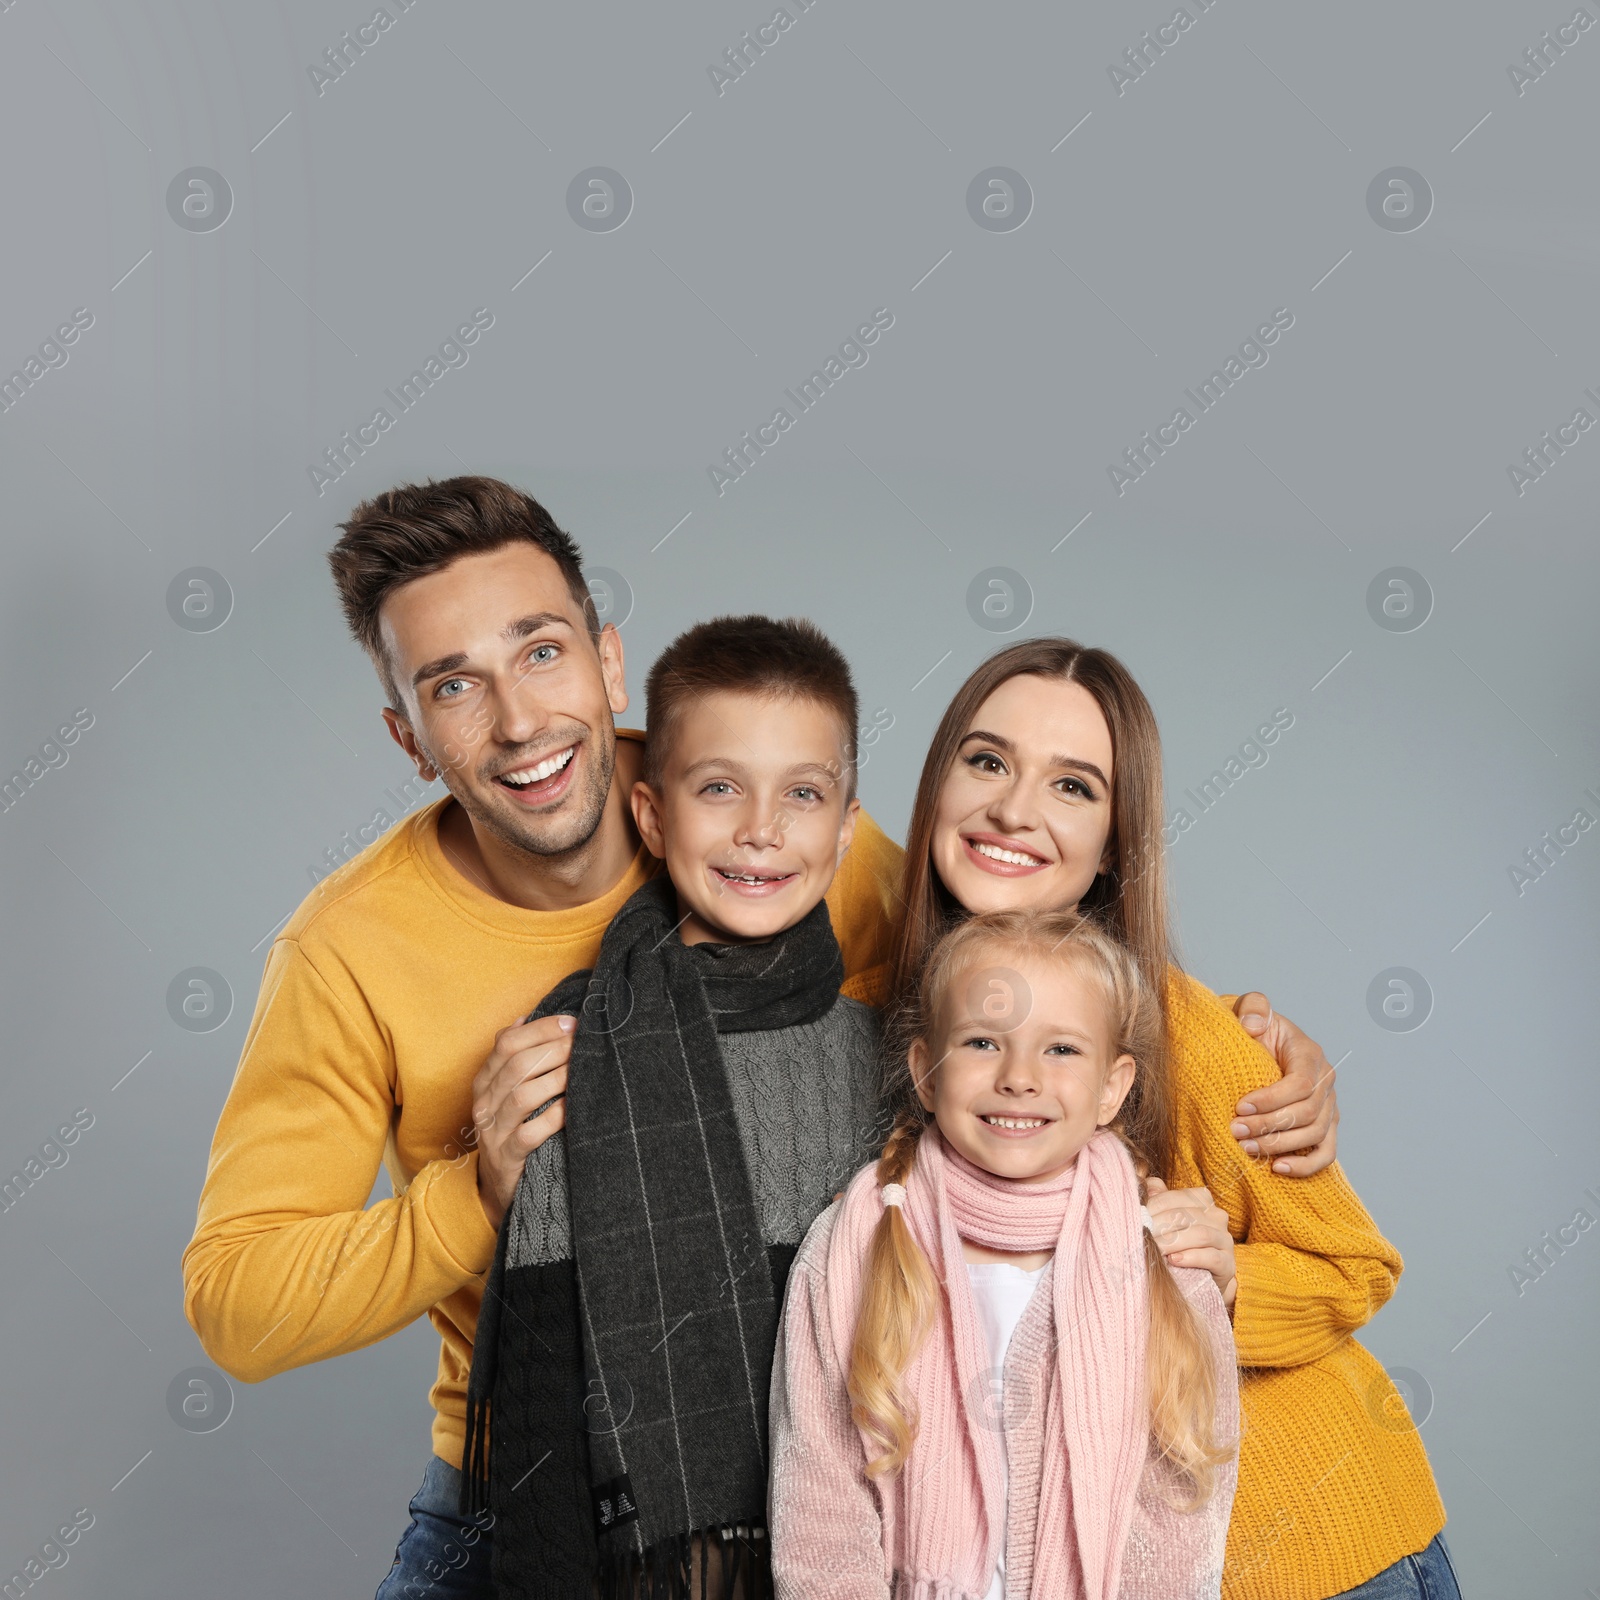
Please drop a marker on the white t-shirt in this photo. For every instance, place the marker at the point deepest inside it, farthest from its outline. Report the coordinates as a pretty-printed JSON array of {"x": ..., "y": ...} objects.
[{"x": 1001, "y": 1293}]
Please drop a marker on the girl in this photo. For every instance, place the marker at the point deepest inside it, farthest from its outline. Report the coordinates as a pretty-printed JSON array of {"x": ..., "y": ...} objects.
[
  {"x": 999, "y": 1250},
  {"x": 1042, "y": 789}
]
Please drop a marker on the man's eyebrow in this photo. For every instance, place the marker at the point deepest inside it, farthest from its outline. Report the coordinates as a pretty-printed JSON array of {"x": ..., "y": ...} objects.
[
  {"x": 1000, "y": 742},
  {"x": 432, "y": 669},
  {"x": 533, "y": 622},
  {"x": 520, "y": 629}
]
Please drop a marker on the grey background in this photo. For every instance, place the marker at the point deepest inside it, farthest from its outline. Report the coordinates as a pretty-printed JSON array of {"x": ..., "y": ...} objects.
[{"x": 1167, "y": 223}]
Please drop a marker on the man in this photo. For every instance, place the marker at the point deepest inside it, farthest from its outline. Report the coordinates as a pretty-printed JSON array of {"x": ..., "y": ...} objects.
[{"x": 374, "y": 1034}]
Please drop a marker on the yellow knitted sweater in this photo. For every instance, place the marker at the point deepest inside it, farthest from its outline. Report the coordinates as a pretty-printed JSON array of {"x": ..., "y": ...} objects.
[{"x": 1334, "y": 1484}]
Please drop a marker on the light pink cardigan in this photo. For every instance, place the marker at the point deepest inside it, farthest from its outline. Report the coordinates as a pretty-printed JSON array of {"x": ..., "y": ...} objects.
[{"x": 833, "y": 1528}]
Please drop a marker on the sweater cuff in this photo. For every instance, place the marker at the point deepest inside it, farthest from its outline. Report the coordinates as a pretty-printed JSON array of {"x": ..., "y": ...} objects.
[
  {"x": 453, "y": 1207},
  {"x": 1269, "y": 1315}
]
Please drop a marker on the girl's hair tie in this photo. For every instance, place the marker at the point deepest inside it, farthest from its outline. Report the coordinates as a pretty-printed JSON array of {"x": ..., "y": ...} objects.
[
  {"x": 894, "y": 1194},
  {"x": 1147, "y": 1220}
]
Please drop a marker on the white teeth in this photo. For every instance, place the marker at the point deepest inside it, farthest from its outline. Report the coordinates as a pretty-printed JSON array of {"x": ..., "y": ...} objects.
[
  {"x": 1014, "y": 857},
  {"x": 545, "y": 769},
  {"x": 1015, "y": 1122}
]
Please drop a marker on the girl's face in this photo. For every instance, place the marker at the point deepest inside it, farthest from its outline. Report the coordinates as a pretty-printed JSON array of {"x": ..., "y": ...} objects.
[
  {"x": 1021, "y": 1067},
  {"x": 1024, "y": 816}
]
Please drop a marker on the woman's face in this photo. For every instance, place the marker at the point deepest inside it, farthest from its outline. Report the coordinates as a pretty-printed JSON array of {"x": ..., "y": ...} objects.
[{"x": 1024, "y": 817}]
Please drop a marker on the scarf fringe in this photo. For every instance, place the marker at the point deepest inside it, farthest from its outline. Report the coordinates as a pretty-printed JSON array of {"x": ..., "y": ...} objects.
[
  {"x": 666, "y": 1571},
  {"x": 474, "y": 1497}
]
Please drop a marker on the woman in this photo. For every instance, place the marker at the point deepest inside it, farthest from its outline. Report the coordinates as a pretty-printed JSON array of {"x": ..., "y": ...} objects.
[{"x": 1042, "y": 790}]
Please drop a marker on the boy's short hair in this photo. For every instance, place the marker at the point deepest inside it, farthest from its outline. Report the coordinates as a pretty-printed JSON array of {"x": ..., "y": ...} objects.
[
  {"x": 421, "y": 528},
  {"x": 791, "y": 659}
]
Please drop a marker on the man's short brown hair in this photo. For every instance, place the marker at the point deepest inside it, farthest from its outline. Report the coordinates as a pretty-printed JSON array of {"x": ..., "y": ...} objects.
[
  {"x": 420, "y": 528},
  {"x": 791, "y": 659}
]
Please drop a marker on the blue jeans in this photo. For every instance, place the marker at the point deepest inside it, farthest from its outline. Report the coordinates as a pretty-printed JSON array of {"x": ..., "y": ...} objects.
[
  {"x": 440, "y": 1556},
  {"x": 1427, "y": 1575}
]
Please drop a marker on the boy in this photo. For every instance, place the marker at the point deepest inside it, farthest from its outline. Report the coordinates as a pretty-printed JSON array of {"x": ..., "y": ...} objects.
[{"x": 721, "y": 1091}]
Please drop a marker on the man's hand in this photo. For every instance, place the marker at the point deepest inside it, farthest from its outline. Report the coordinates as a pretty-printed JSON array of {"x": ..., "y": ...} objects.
[
  {"x": 1192, "y": 1232},
  {"x": 527, "y": 1067},
  {"x": 1294, "y": 1121}
]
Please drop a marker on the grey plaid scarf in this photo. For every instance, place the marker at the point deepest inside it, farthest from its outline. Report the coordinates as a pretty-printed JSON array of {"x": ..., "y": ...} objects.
[{"x": 626, "y": 1385}]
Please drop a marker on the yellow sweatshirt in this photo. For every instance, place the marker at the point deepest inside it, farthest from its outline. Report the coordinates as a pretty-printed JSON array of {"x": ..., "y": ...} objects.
[
  {"x": 1334, "y": 1484},
  {"x": 379, "y": 1004}
]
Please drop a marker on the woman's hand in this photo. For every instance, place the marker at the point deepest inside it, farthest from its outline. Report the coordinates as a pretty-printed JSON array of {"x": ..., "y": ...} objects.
[
  {"x": 1192, "y": 1232},
  {"x": 1294, "y": 1121}
]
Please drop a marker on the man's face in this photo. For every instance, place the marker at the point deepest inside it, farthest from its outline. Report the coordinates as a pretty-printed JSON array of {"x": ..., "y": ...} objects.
[
  {"x": 751, "y": 815},
  {"x": 506, "y": 696}
]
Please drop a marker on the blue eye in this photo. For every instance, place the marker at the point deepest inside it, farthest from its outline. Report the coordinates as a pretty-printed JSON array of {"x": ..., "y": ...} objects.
[
  {"x": 806, "y": 792},
  {"x": 444, "y": 690},
  {"x": 543, "y": 653}
]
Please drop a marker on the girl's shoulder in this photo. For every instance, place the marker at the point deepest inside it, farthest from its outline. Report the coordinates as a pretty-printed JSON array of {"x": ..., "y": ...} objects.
[{"x": 846, "y": 1219}]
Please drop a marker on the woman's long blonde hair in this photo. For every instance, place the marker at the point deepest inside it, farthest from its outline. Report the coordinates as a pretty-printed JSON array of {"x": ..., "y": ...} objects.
[{"x": 901, "y": 1294}]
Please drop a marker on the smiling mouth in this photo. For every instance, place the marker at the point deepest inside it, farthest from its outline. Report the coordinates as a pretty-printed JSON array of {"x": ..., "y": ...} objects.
[
  {"x": 542, "y": 780},
  {"x": 1006, "y": 860},
  {"x": 752, "y": 884},
  {"x": 1014, "y": 1124}
]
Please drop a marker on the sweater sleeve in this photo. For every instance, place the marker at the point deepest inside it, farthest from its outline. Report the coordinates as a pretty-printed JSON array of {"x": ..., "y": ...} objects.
[
  {"x": 287, "y": 1264},
  {"x": 1312, "y": 1265},
  {"x": 827, "y": 1532}
]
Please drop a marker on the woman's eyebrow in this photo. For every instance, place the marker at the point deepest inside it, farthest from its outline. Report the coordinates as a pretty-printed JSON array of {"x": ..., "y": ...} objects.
[{"x": 1000, "y": 742}]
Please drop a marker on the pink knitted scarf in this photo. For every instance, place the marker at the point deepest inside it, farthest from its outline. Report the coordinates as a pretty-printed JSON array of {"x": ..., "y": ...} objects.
[{"x": 1096, "y": 1421}]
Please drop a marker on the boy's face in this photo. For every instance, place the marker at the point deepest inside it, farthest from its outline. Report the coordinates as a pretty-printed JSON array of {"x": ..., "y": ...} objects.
[
  {"x": 750, "y": 816},
  {"x": 1021, "y": 1068}
]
